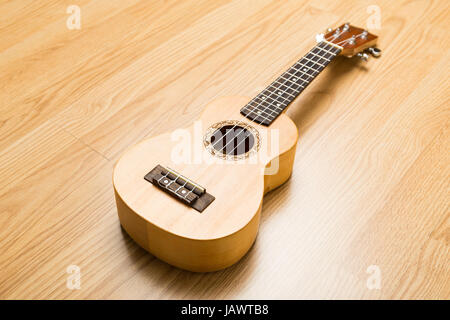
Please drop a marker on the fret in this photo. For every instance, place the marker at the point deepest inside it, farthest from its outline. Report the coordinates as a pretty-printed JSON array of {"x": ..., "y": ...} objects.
[
  {"x": 277, "y": 105},
  {"x": 265, "y": 98},
  {"x": 305, "y": 66},
  {"x": 306, "y": 70},
  {"x": 297, "y": 69},
  {"x": 266, "y": 104},
  {"x": 320, "y": 57},
  {"x": 288, "y": 77},
  {"x": 264, "y": 112},
  {"x": 275, "y": 98},
  {"x": 296, "y": 78},
  {"x": 291, "y": 89},
  {"x": 302, "y": 73},
  {"x": 275, "y": 109},
  {"x": 273, "y": 89},
  {"x": 278, "y": 101},
  {"x": 322, "y": 53},
  {"x": 253, "y": 114},
  {"x": 280, "y": 92},
  {"x": 262, "y": 107},
  {"x": 284, "y": 88},
  {"x": 292, "y": 80},
  {"x": 304, "y": 77},
  {"x": 318, "y": 50},
  {"x": 267, "y": 107},
  {"x": 275, "y": 102},
  {"x": 314, "y": 62}
]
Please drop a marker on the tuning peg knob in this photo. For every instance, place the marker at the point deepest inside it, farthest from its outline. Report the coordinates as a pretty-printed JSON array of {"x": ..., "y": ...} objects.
[
  {"x": 352, "y": 40},
  {"x": 363, "y": 56},
  {"x": 364, "y": 34},
  {"x": 375, "y": 52}
]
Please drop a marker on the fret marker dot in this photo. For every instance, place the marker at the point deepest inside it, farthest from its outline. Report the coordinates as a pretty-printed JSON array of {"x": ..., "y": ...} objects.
[
  {"x": 165, "y": 181},
  {"x": 304, "y": 69},
  {"x": 279, "y": 92},
  {"x": 259, "y": 112},
  {"x": 278, "y": 104},
  {"x": 295, "y": 79},
  {"x": 183, "y": 191}
]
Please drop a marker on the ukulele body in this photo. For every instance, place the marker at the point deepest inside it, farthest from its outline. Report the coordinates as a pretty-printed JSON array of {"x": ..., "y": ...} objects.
[{"x": 220, "y": 235}]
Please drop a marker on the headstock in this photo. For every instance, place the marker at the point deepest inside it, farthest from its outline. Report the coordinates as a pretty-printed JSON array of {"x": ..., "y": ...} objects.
[{"x": 352, "y": 40}]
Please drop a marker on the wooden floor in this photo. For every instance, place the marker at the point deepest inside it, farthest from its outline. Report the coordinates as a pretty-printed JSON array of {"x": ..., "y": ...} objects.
[{"x": 371, "y": 176}]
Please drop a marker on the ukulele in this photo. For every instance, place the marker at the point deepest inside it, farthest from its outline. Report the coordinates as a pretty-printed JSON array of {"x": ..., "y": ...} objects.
[{"x": 193, "y": 197}]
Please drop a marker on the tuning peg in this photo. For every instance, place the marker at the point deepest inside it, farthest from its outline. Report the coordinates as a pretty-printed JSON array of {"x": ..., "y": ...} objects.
[
  {"x": 363, "y": 56},
  {"x": 364, "y": 34},
  {"x": 375, "y": 52},
  {"x": 351, "y": 41},
  {"x": 346, "y": 26}
]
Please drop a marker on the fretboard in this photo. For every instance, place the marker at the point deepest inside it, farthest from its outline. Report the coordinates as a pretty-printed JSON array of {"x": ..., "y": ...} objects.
[{"x": 273, "y": 100}]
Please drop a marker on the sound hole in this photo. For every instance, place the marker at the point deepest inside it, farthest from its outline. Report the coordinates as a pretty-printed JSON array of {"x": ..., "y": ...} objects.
[{"x": 232, "y": 140}]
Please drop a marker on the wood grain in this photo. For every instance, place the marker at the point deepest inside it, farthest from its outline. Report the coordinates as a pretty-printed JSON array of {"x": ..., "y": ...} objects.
[{"x": 371, "y": 176}]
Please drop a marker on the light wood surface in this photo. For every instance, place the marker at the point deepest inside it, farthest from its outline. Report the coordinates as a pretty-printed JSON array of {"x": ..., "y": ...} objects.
[{"x": 371, "y": 176}]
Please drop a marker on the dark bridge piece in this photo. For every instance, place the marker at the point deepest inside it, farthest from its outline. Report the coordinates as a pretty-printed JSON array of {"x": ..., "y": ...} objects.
[{"x": 180, "y": 187}]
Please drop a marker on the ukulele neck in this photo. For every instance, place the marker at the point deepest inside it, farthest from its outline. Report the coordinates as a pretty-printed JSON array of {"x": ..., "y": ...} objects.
[{"x": 274, "y": 99}]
